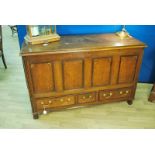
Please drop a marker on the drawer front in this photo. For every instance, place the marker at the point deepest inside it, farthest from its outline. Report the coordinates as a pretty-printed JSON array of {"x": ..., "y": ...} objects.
[
  {"x": 115, "y": 94},
  {"x": 87, "y": 97},
  {"x": 55, "y": 102}
]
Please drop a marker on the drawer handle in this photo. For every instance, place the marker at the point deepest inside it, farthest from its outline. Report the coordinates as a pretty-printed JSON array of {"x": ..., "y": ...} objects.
[
  {"x": 127, "y": 91},
  {"x": 61, "y": 100},
  {"x": 108, "y": 95},
  {"x": 42, "y": 102},
  {"x": 87, "y": 96},
  {"x": 69, "y": 99},
  {"x": 124, "y": 93},
  {"x": 121, "y": 92},
  {"x": 84, "y": 97},
  {"x": 49, "y": 101}
]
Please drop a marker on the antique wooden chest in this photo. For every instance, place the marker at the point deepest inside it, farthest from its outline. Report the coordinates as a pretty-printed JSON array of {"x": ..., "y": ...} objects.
[{"x": 81, "y": 70}]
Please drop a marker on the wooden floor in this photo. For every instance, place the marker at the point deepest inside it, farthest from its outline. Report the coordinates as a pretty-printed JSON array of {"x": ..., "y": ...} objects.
[{"x": 15, "y": 109}]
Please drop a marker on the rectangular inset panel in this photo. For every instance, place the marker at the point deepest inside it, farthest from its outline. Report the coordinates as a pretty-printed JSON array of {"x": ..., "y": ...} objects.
[
  {"x": 127, "y": 69},
  {"x": 73, "y": 74},
  {"x": 42, "y": 76},
  {"x": 101, "y": 71}
]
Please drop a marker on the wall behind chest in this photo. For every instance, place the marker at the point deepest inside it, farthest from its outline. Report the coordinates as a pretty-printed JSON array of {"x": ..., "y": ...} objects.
[{"x": 145, "y": 33}]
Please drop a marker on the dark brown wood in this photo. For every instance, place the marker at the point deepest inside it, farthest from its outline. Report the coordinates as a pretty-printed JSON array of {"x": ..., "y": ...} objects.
[
  {"x": 87, "y": 98},
  {"x": 127, "y": 69},
  {"x": 87, "y": 72},
  {"x": 35, "y": 116},
  {"x": 130, "y": 102},
  {"x": 115, "y": 94},
  {"x": 42, "y": 77},
  {"x": 55, "y": 102},
  {"x": 1, "y": 48},
  {"x": 101, "y": 71},
  {"x": 82, "y": 70},
  {"x": 58, "y": 76},
  {"x": 152, "y": 94},
  {"x": 73, "y": 74},
  {"x": 85, "y": 43}
]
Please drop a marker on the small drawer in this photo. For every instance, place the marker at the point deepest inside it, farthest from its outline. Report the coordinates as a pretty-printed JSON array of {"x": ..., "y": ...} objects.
[
  {"x": 86, "y": 98},
  {"x": 115, "y": 94},
  {"x": 55, "y": 102}
]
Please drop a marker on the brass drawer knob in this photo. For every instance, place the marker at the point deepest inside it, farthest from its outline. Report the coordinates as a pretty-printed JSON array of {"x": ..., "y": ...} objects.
[
  {"x": 42, "y": 102},
  {"x": 84, "y": 97},
  {"x": 90, "y": 96},
  {"x": 121, "y": 92},
  {"x": 127, "y": 91},
  {"x": 61, "y": 100},
  {"x": 49, "y": 101},
  {"x": 104, "y": 94},
  {"x": 69, "y": 99},
  {"x": 110, "y": 94}
]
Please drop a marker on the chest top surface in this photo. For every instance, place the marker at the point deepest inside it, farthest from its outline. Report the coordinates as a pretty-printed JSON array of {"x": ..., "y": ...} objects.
[{"x": 78, "y": 43}]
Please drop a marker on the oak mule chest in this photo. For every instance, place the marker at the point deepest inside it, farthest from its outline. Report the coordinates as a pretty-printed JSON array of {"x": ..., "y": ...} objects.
[{"x": 81, "y": 70}]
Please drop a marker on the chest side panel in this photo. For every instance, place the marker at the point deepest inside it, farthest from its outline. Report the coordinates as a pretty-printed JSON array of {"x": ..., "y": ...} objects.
[
  {"x": 129, "y": 66},
  {"x": 127, "y": 69}
]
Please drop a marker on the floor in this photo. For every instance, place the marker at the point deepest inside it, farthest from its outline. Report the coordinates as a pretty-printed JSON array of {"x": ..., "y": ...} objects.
[{"x": 15, "y": 108}]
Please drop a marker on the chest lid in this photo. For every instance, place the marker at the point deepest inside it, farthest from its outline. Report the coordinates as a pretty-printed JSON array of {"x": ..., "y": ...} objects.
[{"x": 81, "y": 43}]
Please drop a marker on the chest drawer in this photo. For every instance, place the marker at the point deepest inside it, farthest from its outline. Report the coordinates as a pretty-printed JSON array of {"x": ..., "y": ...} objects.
[
  {"x": 55, "y": 102},
  {"x": 115, "y": 94},
  {"x": 87, "y": 97}
]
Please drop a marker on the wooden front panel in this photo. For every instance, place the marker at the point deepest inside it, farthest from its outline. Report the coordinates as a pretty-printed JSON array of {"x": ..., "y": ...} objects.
[
  {"x": 101, "y": 71},
  {"x": 73, "y": 74},
  {"x": 127, "y": 69},
  {"x": 115, "y": 94},
  {"x": 87, "y": 97},
  {"x": 42, "y": 77},
  {"x": 55, "y": 102}
]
